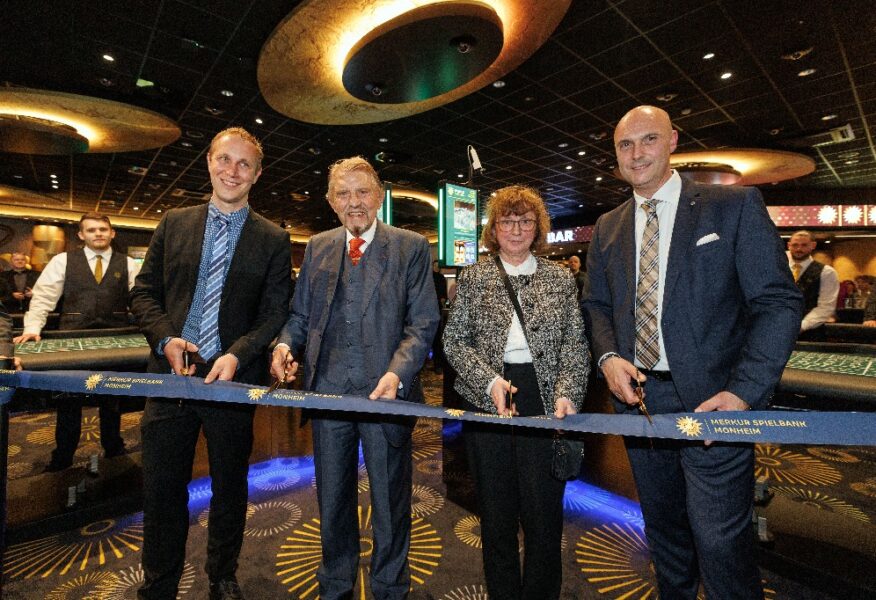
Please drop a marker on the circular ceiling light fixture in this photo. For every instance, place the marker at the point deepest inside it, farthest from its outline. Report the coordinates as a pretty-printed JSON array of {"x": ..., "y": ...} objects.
[
  {"x": 45, "y": 122},
  {"x": 740, "y": 166},
  {"x": 342, "y": 62}
]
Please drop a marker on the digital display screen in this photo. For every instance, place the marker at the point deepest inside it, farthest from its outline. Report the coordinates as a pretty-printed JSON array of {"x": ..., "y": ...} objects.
[{"x": 457, "y": 225}]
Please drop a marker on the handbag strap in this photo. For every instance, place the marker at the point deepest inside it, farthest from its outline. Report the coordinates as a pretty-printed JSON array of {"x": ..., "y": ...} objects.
[{"x": 510, "y": 289}]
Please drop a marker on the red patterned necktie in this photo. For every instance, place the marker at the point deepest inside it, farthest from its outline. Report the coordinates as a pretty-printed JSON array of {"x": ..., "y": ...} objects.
[
  {"x": 355, "y": 250},
  {"x": 647, "y": 344}
]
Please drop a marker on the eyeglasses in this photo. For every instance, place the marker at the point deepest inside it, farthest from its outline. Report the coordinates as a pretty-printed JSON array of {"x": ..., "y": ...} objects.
[{"x": 507, "y": 225}]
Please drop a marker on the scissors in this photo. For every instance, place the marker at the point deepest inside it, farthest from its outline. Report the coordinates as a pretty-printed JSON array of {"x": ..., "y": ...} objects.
[
  {"x": 640, "y": 394},
  {"x": 278, "y": 382}
]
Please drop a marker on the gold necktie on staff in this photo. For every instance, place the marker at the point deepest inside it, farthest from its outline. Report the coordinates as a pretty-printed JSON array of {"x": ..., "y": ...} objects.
[
  {"x": 98, "y": 268},
  {"x": 796, "y": 271}
]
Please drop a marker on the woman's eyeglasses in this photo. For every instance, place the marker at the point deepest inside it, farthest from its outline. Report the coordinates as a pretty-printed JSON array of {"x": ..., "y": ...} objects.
[{"x": 507, "y": 225}]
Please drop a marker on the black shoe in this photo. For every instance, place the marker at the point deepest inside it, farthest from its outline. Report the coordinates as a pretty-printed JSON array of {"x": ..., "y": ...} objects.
[
  {"x": 56, "y": 466},
  {"x": 227, "y": 589}
]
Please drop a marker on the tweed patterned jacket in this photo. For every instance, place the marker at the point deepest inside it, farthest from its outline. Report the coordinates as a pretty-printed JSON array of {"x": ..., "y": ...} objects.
[{"x": 480, "y": 318}]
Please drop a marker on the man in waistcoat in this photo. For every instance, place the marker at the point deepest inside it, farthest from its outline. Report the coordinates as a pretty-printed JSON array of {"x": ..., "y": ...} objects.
[
  {"x": 365, "y": 309},
  {"x": 818, "y": 282},
  {"x": 17, "y": 284},
  {"x": 90, "y": 289},
  {"x": 214, "y": 288}
]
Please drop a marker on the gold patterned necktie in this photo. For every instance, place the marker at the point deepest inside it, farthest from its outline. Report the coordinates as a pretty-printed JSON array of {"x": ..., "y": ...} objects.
[
  {"x": 98, "y": 268},
  {"x": 647, "y": 344},
  {"x": 796, "y": 271}
]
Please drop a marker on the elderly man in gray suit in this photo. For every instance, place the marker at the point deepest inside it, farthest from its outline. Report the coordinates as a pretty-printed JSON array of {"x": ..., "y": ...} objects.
[{"x": 365, "y": 309}]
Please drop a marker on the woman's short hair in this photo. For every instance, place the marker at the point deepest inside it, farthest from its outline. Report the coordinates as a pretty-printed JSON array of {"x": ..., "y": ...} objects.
[
  {"x": 516, "y": 200},
  {"x": 348, "y": 165}
]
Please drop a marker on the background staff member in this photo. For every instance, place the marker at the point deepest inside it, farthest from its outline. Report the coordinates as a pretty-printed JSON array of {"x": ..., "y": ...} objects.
[
  {"x": 688, "y": 290},
  {"x": 365, "y": 308},
  {"x": 90, "y": 288},
  {"x": 818, "y": 282},
  {"x": 17, "y": 283},
  {"x": 215, "y": 281}
]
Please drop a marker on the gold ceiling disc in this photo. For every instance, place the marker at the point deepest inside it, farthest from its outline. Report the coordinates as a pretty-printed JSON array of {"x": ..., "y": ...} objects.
[
  {"x": 754, "y": 166},
  {"x": 302, "y": 62},
  {"x": 107, "y": 125}
]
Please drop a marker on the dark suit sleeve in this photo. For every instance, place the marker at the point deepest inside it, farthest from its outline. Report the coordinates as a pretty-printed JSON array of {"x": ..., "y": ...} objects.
[
  {"x": 294, "y": 333},
  {"x": 6, "y": 288},
  {"x": 597, "y": 300},
  {"x": 421, "y": 316},
  {"x": 148, "y": 294},
  {"x": 6, "y": 346},
  {"x": 774, "y": 304},
  {"x": 274, "y": 302}
]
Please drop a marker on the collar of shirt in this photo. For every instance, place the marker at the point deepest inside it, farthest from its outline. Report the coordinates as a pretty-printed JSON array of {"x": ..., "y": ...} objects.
[
  {"x": 668, "y": 192},
  {"x": 527, "y": 267},
  {"x": 235, "y": 219},
  {"x": 367, "y": 235},
  {"x": 803, "y": 264},
  {"x": 90, "y": 254}
]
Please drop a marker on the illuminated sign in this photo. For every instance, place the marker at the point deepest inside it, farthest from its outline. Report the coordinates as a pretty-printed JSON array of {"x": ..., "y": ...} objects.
[
  {"x": 457, "y": 225},
  {"x": 385, "y": 212},
  {"x": 824, "y": 215},
  {"x": 578, "y": 235}
]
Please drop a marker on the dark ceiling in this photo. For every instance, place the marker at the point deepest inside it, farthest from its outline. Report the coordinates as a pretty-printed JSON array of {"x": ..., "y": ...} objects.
[{"x": 604, "y": 58}]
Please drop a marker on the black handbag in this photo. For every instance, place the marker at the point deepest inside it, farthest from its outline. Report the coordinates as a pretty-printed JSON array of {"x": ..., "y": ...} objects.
[{"x": 568, "y": 453}]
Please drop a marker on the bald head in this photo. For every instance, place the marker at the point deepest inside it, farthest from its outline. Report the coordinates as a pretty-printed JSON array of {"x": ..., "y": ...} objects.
[{"x": 643, "y": 141}]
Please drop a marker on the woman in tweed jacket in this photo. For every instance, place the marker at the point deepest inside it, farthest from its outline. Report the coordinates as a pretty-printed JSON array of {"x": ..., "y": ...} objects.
[{"x": 547, "y": 375}]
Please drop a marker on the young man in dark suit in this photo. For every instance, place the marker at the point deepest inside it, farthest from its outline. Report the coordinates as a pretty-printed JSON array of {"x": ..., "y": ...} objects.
[
  {"x": 365, "y": 309},
  {"x": 214, "y": 284},
  {"x": 688, "y": 291}
]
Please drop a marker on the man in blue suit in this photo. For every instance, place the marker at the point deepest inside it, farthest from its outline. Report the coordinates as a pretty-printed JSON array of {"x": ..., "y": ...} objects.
[
  {"x": 365, "y": 309},
  {"x": 689, "y": 292}
]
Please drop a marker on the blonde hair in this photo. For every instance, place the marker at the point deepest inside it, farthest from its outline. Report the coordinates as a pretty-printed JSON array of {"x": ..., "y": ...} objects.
[
  {"x": 516, "y": 200},
  {"x": 245, "y": 136}
]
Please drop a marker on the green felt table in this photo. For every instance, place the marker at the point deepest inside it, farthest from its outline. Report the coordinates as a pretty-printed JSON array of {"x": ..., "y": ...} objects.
[
  {"x": 125, "y": 352},
  {"x": 834, "y": 362}
]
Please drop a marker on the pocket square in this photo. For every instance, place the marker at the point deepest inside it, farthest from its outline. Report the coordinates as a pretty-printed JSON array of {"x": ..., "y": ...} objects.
[{"x": 712, "y": 237}]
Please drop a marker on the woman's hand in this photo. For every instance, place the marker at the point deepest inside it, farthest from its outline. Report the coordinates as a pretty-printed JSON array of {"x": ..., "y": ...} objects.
[
  {"x": 563, "y": 407},
  {"x": 499, "y": 393}
]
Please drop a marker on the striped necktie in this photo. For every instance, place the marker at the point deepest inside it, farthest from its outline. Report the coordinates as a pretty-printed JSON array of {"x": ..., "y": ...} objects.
[
  {"x": 209, "y": 343},
  {"x": 647, "y": 344}
]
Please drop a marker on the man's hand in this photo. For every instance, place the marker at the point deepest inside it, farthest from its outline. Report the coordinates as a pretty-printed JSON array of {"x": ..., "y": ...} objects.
[
  {"x": 26, "y": 337},
  {"x": 173, "y": 352},
  {"x": 722, "y": 401},
  {"x": 386, "y": 388},
  {"x": 869, "y": 323},
  {"x": 499, "y": 394},
  {"x": 618, "y": 372},
  {"x": 283, "y": 366},
  {"x": 564, "y": 407},
  {"x": 223, "y": 369},
  {"x": 18, "y": 295}
]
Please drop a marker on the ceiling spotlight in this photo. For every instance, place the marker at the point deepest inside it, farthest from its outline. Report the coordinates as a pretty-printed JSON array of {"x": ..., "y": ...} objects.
[
  {"x": 599, "y": 178},
  {"x": 805, "y": 72},
  {"x": 563, "y": 145},
  {"x": 686, "y": 111},
  {"x": 667, "y": 96},
  {"x": 306, "y": 192},
  {"x": 459, "y": 175},
  {"x": 797, "y": 54},
  {"x": 136, "y": 208},
  {"x": 18, "y": 176},
  {"x": 726, "y": 75},
  {"x": 317, "y": 172},
  {"x": 213, "y": 110},
  {"x": 54, "y": 187},
  {"x": 709, "y": 56},
  {"x": 383, "y": 140},
  {"x": 580, "y": 206},
  {"x": 158, "y": 210},
  {"x": 375, "y": 89},
  {"x": 227, "y": 93},
  {"x": 258, "y": 120},
  {"x": 529, "y": 99},
  {"x": 109, "y": 58},
  {"x": 568, "y": 167},
  {"x": 498, "y": 84},
  {"x": 775, "y": 131},
  {"x": 829, "y": 117},
  {"x": 853, "y": 161},
  {"x": 582, "y": 152},
  {"x": 186, "y": 144},
  {"x": 106, "y": 82},
  {"x": 53, "y": 176}
]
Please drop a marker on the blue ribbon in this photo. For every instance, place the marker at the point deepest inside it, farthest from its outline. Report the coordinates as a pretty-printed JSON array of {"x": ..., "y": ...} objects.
[{"x": 838, "y": 428}]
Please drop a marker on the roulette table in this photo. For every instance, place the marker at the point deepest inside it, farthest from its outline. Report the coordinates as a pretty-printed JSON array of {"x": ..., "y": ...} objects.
[
  {"x": 122, "y": 349},
  {"x": 829, "y": 376}
]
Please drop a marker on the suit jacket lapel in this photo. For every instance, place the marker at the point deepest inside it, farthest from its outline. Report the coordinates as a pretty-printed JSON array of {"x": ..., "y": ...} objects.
[
  {"x": 331, "y": 263},
  {"x": 685, "y": 219},
  {"x": 375, "y": 264},
  {"x": 627, "y": 229}
]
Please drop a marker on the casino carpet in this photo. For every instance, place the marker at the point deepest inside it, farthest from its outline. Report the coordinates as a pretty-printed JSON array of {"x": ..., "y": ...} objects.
[{"x": 605, "y": 555}]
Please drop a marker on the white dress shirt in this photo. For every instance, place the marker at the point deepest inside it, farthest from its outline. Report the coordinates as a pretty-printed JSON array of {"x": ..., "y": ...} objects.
[
  {"x": 668, "y": 194},
  {"x": 367, "y": 235},
  {"x": 827, "y": 294},
  {"x": 49, "y": 288}
]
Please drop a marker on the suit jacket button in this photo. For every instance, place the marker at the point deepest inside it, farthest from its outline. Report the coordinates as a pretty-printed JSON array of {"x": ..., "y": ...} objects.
[{"x": 539, "y": 354}]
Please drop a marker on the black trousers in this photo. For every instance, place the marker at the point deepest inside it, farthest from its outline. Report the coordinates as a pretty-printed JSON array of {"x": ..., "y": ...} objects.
[
  {"x": 511, "y": 469},
  {"x": 170, "y": 431},
  {"x": 68, "y": 427}
]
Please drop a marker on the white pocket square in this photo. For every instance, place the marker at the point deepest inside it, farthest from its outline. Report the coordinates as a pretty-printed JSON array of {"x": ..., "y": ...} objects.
[{"x": 706, "y": 239}]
